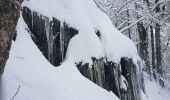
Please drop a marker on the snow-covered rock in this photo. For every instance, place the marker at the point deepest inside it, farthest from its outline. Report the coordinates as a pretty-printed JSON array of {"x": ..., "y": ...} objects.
[
  {"x": 68, "y": 32},
  {"x": 29, "y": 73}
]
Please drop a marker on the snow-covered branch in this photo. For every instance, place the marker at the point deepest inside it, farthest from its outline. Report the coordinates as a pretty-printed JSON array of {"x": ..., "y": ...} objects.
[
  {"x": 122, "y": 30},
  {"x": 118, "y": 10}
]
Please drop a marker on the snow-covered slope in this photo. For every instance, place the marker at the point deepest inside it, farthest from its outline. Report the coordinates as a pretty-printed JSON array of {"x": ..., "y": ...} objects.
[
  {"x": 29, "y": 76},
  {"x": 154, "y": 91},
  {"x": 30, "y": 73}
]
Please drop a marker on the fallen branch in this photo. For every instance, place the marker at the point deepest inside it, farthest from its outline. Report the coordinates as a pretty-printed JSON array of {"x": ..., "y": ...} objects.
[
  {"x": 19, "y": 57},
  {"x": 16, "y": 93}
]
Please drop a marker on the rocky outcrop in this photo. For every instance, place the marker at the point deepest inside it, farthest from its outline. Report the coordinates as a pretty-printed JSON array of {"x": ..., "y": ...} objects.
[
  {"x": 9, "y": 14},
  {"x": 124, "y": 79},
  {"x": 52, "y": 38}
]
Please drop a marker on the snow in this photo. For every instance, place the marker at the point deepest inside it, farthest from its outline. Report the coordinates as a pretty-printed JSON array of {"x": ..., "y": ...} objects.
[
  {"x": 28, "y": 71},
  {"x": 123, "y": 83},
  {"x": 154, "y": 91},
  {"x": 39, "y": 80},
  {"x": 87, "y": 18}
]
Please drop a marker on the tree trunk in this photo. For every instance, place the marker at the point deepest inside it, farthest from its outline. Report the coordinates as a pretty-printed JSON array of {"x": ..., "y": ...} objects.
[
  {"x": 153, "y": 52},
  {"x": 129, "y": 32},
  {"x": 143, "y": 37},
  {"x": 9, "y": 14},
  {"x": 158, "y": 43}
]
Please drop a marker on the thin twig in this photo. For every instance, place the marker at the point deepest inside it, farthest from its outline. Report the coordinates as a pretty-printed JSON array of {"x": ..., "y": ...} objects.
[
  {"x": 19, "y": 57},
  {"x": 16, "y": 93}
]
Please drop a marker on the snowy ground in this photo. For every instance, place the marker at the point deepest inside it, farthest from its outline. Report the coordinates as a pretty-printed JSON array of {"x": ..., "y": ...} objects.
[{"x": 154, "y": 91}]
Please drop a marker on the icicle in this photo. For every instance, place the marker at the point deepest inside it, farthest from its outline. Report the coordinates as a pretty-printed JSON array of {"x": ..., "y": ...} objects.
[
  {"x": 51, "y": 43},
  {"x": 91, "y": 74},
  {"x": 100, "y": 69},
  {"x": 62, "y": 41},
  {"x": 48, "y": 34},
  {"x": 97, "y": 71}
]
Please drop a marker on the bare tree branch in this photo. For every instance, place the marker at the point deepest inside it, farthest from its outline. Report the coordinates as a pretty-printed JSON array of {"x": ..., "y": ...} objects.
[
  {"x": 122, "y": 30},
  {"x": 123, "y": 5}
]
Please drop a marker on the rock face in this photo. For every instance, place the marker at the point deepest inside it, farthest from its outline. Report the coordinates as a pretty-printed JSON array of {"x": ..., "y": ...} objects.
[
  {"x": 9, "y": 14},
  {"x": 52, "y": 38},
  {"x": 123, "y": 79}
]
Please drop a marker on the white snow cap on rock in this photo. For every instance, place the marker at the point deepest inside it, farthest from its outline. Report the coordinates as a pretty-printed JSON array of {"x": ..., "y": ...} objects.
[{"x": 87, "y": 19}]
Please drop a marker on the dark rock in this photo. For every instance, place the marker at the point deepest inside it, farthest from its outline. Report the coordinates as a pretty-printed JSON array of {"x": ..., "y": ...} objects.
[
  {"x": 108, "y": 75},
  {"x": 51, "y": 36},
  {"x": 112, "y": 74},
  {"x": 98, "y": 34},
  {"x": 84, "y": 70},
  {"x": 132, "y": 75},
  {"x": 161, "y": 82},
  {"x": 93, "y": 72}
]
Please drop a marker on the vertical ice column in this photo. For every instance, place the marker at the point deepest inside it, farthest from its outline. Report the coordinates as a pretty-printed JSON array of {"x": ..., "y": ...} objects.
[
  {"x": 50, "y": 39},
  {"x": 99, "y": 71},
  {"x": 62, "y": 41}
]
